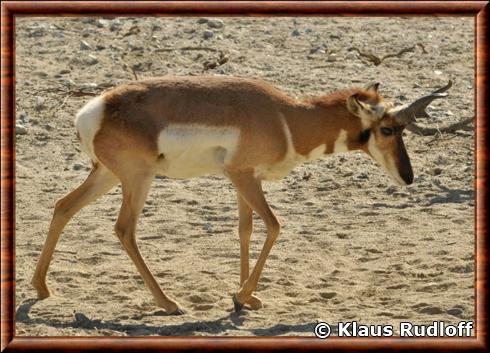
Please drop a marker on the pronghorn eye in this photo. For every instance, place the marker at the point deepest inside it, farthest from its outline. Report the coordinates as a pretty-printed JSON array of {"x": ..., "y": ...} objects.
[{"x": 387, "y": 131}]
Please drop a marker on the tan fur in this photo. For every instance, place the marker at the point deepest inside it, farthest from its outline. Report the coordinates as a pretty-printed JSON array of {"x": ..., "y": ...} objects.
[
  {"x": 138, "y": 111},
  {"x": 275, "y": 131}
]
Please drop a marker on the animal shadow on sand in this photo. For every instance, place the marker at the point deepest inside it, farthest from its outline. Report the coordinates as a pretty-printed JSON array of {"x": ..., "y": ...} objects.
[
  {"x": 452, "y": 195},
  {"x": 232, "y": 321}
]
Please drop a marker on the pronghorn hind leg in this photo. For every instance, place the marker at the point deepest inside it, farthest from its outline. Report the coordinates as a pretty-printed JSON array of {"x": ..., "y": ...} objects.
[
  {"x": 245, "y": 228},
  {"x": 99, "y": 181},
  {"x": 250, "y": 190},
  {"x": 135, "y": 189}
]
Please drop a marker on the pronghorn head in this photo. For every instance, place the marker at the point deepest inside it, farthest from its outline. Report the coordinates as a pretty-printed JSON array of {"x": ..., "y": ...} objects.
[{"x": 382, "y": 127}]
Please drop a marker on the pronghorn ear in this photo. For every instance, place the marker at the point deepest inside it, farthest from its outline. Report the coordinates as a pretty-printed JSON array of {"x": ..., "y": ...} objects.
[
  {"x": 354, "y": 105},
  {"x": 373, "y": 87}
]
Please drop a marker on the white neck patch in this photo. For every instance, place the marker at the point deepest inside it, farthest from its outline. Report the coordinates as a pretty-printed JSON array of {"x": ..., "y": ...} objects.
[{"x": 388, "y": 164}]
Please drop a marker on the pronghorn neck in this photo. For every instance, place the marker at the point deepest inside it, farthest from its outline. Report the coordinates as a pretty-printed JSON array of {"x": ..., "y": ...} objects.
[{"x": 323, "y": 124}]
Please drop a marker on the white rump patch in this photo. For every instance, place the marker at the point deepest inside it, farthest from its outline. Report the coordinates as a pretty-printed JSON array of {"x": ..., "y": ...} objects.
[
  {"x": 340, "y": 144},
  {"x": 87, "y": 123},
  {"x": 191, "y": 150},
  {"x": 387, "y": 163}
]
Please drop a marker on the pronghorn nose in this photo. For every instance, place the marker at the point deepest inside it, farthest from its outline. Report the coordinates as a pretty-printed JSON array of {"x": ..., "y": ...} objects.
[{"x": 407, "y": 177}]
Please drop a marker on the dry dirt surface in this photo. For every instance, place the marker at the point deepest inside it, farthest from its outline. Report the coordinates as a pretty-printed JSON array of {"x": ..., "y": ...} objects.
[{"x": 353, "y": 245}]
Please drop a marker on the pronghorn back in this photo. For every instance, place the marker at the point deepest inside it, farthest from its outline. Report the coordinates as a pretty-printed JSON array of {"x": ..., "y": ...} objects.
[{"x": 190, "y": 126}]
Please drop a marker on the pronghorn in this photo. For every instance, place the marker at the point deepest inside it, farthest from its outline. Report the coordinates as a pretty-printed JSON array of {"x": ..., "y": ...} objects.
[{"x": 245, "y": 129}]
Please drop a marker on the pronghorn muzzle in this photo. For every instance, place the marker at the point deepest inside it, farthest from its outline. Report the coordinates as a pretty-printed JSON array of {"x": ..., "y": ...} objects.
[{"x": 404, "y": 166}]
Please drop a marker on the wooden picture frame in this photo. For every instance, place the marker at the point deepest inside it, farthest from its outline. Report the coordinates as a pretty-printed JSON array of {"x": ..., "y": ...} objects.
[{"x": 12, "y": 343}]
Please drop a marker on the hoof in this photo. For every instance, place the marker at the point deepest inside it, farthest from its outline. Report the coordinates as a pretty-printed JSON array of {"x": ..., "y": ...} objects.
[
  {"x": 255, "y": 303},
  {"x": 237, "y": 305},
  {"x": 42, "y": 295},
  {"x": 178, "y": 312},
  {"x": 42, "y": 291}
]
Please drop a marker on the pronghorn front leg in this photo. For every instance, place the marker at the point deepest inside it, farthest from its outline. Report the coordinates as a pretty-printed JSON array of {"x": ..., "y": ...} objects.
[
  {"x": 135, "y": 190},
  {"x": 250, "y": 190},
  {"x": 245, "y": 228}
]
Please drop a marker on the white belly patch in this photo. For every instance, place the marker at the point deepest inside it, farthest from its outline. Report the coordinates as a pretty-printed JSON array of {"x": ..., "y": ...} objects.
[{"x": 191, "y": 150}]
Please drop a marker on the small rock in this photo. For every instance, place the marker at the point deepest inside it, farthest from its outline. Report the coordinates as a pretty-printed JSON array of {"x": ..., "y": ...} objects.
[
  {"x": 41, "y": 74},
  {"x": 215, "y": 24},
  {"x": 458, "y": 312},
  {"x": 77, "y": 166},
  {"x": 68, "y": 81},
  {"x": 99, "y": 47},
  {"x": 390, "y": 190},
  {"x": 115, "y": 25},
  {"x": 135, "y": 47},
  {"x": 295, "y": 33},
  {"x": 401, "y": 194},
  {"x": 328, "y": 295},
  {"x": 92, "y": 60},
  {"x": 64, "y": 71},
  {"x": 23, "y": 117},
  {"x": 89, "y": 85},
  {"x": 38, "y": 32},
  {"x": 318, "y": 49},
  {"x": 202, "y": 20},
  {"x": 83, "y": 321},
  {"x": 20, "y": 129},
  {"x": 42, "y": 137},
  {"x": 208, "y": 34},
  {"x": 156, "y": 28},
  {"x": 84, "y": 45},
  {"x": 331, "y": 58},
  {"x": 39, "y": 103},
  {"x": 89, "y": 20},
  {"x": 48, "y": 127},
  {"x": 436, "y": 171},
  {"x": 431, "y": 310},
  {"x": 101, "y": 23},
  {"x": 440, "y": 160},
  {"x": 351, "y": 55}
]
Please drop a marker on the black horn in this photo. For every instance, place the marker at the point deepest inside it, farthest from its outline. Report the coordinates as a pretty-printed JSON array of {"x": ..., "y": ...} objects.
[{"x": 408, "y": 113}]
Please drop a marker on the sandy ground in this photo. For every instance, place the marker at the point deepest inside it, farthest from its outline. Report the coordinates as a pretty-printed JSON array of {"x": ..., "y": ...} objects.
[{"x": 353, "y": 245}]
